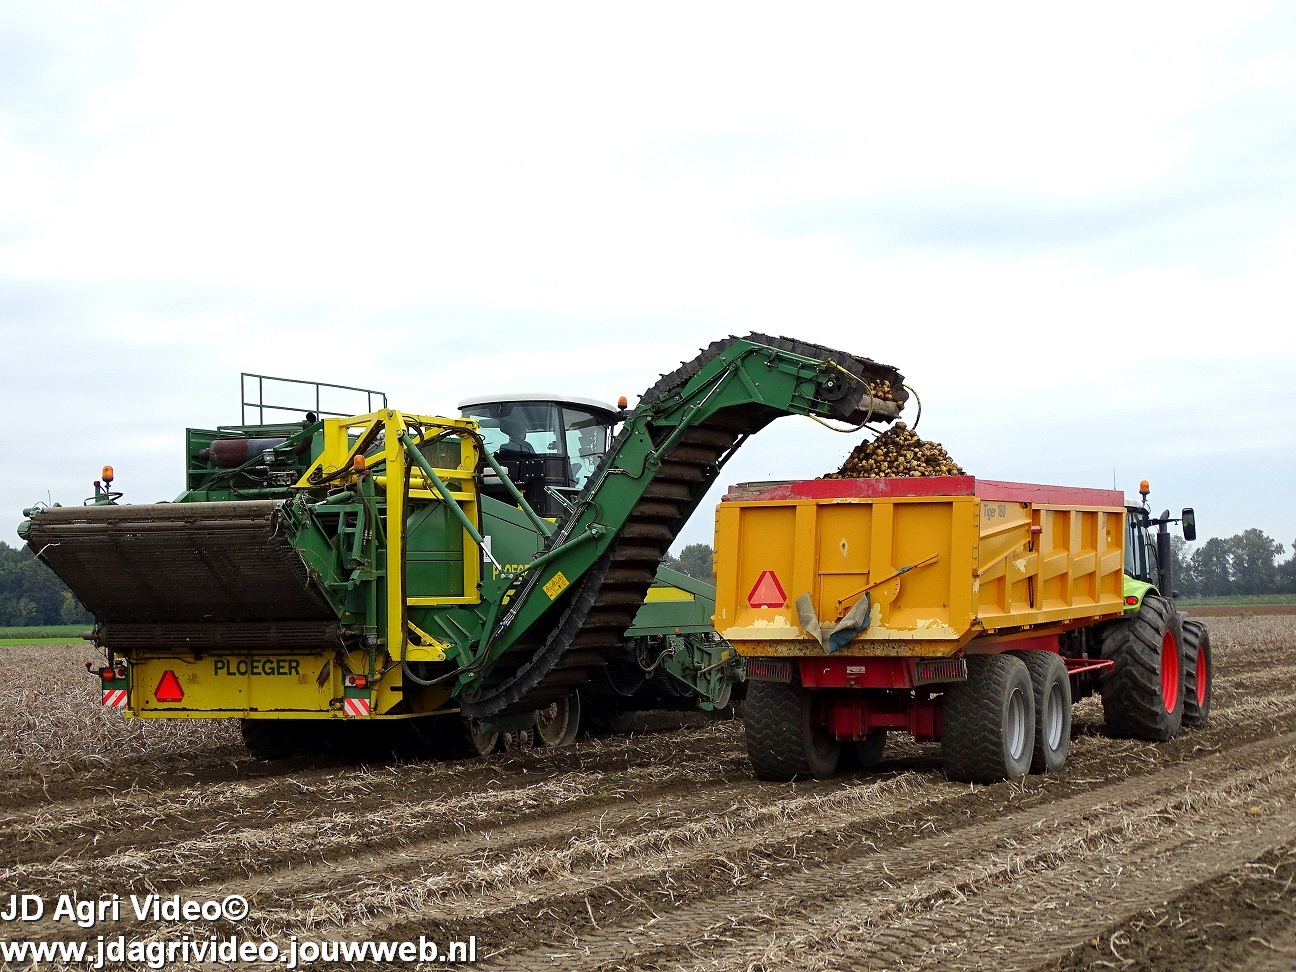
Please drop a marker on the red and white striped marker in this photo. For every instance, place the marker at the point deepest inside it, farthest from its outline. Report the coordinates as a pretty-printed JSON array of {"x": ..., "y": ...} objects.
[
  {"x": 114, "y": 698},
  {"x": 358, "y": 708}
]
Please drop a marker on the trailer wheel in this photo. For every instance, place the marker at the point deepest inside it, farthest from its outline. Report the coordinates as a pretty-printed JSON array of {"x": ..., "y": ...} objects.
[
  {"x": 1199, "y": 674},
  {"x": 1052, "y": 690},
  {"x": 868, "y": 751},
  {"x": 558, "y": 723},
  {"x": 863, "y": 754},
  {"x": 988, "y": 722},
  {"x": 1143, "y": 696},
  {"x": 784, "y": 739}
]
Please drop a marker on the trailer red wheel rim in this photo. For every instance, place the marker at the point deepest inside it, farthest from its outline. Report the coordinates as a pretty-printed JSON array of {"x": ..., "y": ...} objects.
[
  {"x": 1170, "y": 671},
  {"x": 1202, "y": 675}
]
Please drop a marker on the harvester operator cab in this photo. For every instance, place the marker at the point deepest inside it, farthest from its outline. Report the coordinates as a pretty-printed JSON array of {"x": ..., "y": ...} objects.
[{"x": 549, "y": 445}]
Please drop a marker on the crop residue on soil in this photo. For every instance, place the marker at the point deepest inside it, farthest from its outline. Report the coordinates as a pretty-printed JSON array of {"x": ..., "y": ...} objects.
[{"x": 657, "y": 850}]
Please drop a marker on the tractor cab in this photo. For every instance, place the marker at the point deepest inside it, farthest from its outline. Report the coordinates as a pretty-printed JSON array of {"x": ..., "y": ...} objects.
[
  {"x": 1140, "y": 546},
  {"x": 1147, "y": 556},
  {"x": 549, "y": 445}
]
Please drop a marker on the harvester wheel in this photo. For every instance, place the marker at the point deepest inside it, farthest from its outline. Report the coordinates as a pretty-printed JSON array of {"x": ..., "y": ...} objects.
[
  {"x": 602, "y": 715},
  {"x": 517, "y": 740},
  {"x": 1052, "y": 690},
  {"x": 725, "y": 697},
  {"x": 465, "y": 739},
  {"x": 558, "y": 723},
  {"x": 784, "y": 738},
  {"x": 621, "y": 720},
  {"x": 1199, "y": 674},
  {"x": 988, "y": 722},
  {"x": 1143, "y": 696}
]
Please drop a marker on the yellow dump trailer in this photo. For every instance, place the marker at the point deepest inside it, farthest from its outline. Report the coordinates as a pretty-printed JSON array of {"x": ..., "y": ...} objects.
[
  {"x": 934, "y": 565},
  {"x": 951, "y": 608}
]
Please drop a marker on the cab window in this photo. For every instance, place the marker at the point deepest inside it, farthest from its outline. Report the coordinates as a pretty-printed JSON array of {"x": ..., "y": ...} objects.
[
  {"x": 587, "y": 442},
  {"x": 519, "y": 427},
  {"x": 1136, "y": 548}
]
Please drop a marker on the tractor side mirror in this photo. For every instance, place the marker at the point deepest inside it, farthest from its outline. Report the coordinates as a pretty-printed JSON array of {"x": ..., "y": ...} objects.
[{"x": 1189, "y": 524}]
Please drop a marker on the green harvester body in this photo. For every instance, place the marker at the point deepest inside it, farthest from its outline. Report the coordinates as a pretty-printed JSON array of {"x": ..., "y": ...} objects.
[{"x": 398, "y": 566}]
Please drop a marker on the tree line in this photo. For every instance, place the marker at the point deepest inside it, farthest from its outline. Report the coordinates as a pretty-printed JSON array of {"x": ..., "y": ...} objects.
[
  {"x": 31, "y": 595},
  {"x": 694, "y": 560},
  {"x": 1245, "y": 563}
]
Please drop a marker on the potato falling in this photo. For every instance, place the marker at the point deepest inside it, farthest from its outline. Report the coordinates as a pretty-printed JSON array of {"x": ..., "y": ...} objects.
[
  {"x": 880, "y": 389},
  {"x": 897, "y": 452}
]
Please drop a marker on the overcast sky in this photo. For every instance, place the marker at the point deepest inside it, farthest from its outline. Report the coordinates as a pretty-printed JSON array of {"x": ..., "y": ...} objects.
[{"x": 1072, "y": 228}]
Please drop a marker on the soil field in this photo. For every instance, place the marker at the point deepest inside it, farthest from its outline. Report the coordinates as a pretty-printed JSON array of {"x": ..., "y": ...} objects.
[
  {"x": 1240, "y": 610},
  {"x": 657, "y": 850}
]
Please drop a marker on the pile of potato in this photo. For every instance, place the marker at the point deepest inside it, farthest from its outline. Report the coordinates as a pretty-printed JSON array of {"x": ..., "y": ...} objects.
[{"x": 897, "y": 452}]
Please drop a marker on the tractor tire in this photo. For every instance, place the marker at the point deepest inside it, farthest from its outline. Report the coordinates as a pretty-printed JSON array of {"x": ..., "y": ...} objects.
[
  {"x": 1052, "y": 689},
  {"x": 1143, "y": 695},
  {"x": 784, "y": 740},
  {"x": 988, "y": 722},
  {"x": 558, "y": 723},
  {"x": 1199, "y": 674}
]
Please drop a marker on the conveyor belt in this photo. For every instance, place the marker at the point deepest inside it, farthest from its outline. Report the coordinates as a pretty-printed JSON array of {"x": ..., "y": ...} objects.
[{"x": 607, "y": 598}]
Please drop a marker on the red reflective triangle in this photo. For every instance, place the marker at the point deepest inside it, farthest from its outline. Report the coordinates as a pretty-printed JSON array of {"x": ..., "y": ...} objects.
[
  {"x": 768, "y": 592},
  {"x": 168, "y": 689}
]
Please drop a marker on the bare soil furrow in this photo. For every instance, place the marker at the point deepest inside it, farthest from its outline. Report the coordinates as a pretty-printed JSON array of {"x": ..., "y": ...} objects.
[
  {"x": 295, "y": 779},
  {"x": 1029, "y": 910},
  {"x": 865, "y": 877},
  {"x": 1274, "y": 954},
  {"x": 1241, "y": 921},
  {"x": 538, "y": 832},
  {"x": 274, "y": 838},
  {"x": 648, "y": 842},
  {"x": 391, "y": 890},
  {"x": 658, "y": 850},
  {"x": 704, "y": 871}
]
